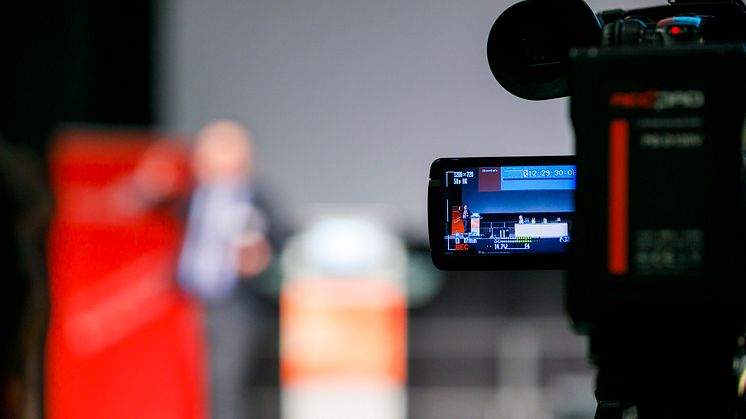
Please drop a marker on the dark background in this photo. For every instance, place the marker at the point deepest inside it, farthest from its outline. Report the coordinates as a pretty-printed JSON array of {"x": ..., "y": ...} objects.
[{"x": 74, "y": 62}]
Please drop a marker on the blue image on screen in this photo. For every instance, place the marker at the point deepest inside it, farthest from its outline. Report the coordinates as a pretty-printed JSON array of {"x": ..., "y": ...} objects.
[
  {"x": 513, "y": 209},
  {"x": 523, "y": 190}
]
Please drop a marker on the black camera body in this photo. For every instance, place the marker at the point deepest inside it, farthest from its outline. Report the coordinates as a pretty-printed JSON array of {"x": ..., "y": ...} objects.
[
  {"x": 654, "y": 276},
  {"x": 657, "y": 277},
  {"x": 660, "y": 168}
]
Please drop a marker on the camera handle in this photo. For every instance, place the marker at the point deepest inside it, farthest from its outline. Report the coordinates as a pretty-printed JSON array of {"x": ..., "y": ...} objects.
[{"x": 694, "y": 378}]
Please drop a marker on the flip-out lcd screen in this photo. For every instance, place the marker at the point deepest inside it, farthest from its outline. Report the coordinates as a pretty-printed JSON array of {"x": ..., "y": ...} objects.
[{"x": 512, "y": 206}]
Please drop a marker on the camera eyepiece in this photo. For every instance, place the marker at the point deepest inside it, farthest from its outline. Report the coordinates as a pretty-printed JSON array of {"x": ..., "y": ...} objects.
[{"x": 528, "y": 45}]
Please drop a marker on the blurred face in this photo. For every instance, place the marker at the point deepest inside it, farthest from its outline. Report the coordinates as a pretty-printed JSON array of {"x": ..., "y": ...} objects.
[{"x": 223, "y": 152}]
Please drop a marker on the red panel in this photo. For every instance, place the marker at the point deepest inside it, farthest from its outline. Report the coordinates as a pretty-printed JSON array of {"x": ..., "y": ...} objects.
[
  {"x": 457, "y": 226},
  {"x": 618, "y": 196},
  {"x": 123, "y": 341}
]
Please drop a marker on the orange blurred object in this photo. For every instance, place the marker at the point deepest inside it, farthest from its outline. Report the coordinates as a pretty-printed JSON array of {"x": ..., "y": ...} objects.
[{"x": 349, "y": 332}]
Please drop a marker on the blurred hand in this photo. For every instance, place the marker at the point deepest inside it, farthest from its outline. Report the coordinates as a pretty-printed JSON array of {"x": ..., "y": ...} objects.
[
  {"x": 162, "y": 174},
  {"x": 254, "y": 254}
]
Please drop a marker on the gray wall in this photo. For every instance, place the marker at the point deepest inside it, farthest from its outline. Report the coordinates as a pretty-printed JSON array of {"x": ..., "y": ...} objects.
[{"x": 351, "y": 100}]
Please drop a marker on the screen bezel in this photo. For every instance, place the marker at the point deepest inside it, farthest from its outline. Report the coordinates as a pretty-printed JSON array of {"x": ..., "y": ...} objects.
[{"x": 436, "y": 215}]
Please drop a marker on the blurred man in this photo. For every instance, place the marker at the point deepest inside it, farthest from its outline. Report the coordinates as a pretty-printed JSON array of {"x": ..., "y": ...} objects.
[
  {"x": 227, "y": 244},
  {"x": 466, "y": 218}
]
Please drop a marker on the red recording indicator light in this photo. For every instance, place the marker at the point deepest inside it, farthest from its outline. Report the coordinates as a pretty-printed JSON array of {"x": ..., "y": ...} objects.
[{"x": 674, "y": 30}]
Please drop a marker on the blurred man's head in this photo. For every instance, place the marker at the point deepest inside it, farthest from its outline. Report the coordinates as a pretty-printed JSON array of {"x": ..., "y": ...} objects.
[{"x": 223, "y": 152}]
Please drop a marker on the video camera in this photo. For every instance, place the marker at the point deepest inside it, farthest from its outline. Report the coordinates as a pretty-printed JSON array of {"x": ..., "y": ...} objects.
[{"x": 653, "y": 242}]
